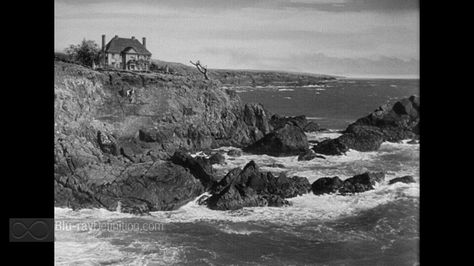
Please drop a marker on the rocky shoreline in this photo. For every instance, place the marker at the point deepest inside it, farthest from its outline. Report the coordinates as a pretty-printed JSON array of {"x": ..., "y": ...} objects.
[{"x": 126, "y": 138}]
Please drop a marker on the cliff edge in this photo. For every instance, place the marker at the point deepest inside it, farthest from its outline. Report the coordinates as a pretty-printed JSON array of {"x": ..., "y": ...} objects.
[{"x": 115, "y": 129}]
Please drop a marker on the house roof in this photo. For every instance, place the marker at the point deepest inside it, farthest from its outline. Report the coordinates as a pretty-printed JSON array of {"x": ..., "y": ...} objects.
[{"x": 118, "y": 45}]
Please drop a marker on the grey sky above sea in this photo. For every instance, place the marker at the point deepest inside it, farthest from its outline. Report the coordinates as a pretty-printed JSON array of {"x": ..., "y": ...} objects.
[{"x": 378, "y": 38}]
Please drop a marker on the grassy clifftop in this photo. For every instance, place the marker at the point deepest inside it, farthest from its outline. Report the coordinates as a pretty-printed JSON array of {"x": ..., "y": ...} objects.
[{"x": 230, "y": 78}]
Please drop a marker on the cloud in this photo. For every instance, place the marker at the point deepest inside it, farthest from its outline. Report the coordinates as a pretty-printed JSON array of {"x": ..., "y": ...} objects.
[
  {"x": 387, "y": 6},
  {"x": 322, "y": 5}
]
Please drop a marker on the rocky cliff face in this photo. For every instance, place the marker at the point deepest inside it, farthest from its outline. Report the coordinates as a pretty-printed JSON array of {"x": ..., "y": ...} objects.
[{"x": 115, "y": 127}]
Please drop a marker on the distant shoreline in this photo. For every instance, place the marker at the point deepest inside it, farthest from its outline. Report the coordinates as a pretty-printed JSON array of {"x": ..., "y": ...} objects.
[{"x": 411, "y": 77}]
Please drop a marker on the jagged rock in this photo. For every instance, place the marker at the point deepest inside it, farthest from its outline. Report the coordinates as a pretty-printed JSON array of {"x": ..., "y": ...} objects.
[
  {"x": 235, "y": 197},
  {"x": 311, "y": 127},
  {"x": 394, "y": 124},
  {"x": 199, "y": 167},
  {"x": 285, "y": 141},
  {"x": 278, "y": 121},
  {"x": 276, "y": 165},
  {"x": 309, "y": 155},
  {"x": 227, "y": 180},
  {"x": 362, "y": 138},
  {"x": 326, "y": 185},
  {"x": 234, "y": 153},
  {"x": 300, "y": 121},
  {"x": 256, "y": 116},
  {"x": 355, "y": 184},
  {"x": 361, "y": 183},
  {"x": 331, "y": 147},
  {"x": 217, "y": 158},
  {"x": 276, "y": 201},
  {"x": 404, "y": 179},
  {"x": 251, "y": 188},
  {"x": 107, "y": 143}
]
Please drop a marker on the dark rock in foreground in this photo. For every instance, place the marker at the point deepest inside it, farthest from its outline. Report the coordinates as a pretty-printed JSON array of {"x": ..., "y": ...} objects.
[
  {"x": 285, "y": 141},
  {"x": 199, "y": 167},
  {"x": 355, "y": 184},
  {"x": 326, "y": 185},
  {"x": 404, "y": 179},
  {"x": 311, "y": 127},
  {"x": 275, "y": 165},
  {"x": 331, "y": 147},
  {"x": 251, "y": 188},
  {"x": 309, "y": 155},
  {"x": 234, "y": 153},
  {"x": 361, "y": 183},
  {"x": 217, "y": 158},
  {"x": 384, "y": 124},
  {"x": 141, "y": 188}
]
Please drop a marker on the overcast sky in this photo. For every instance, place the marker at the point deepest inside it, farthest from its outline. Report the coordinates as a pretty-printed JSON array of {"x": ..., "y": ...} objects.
[{"x": 342, "y": 37}]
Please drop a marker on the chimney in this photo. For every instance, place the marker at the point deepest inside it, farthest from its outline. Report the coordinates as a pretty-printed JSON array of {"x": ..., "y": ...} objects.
[
  {"x": 133, "y": 37},
  {"x": 116, "y": 36},
  {"x": 144, "y": 42},
  {"x": 103, "y": 42}
]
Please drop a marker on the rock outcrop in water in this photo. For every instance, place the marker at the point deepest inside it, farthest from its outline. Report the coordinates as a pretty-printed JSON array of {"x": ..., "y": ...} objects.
[
  {"x": 403, "y": 179},
  {"x": 309, "y": 155},
  {"x": 249, "y": 187},
  {"x": 300, "y": 121},
  {"x": 355, "y": 184},
  {"x": 385, "y": 124},
  {"x": 114, "y": 130},
  {"x": 284, "y": 141},
  {"x": 200, "y": 167}
]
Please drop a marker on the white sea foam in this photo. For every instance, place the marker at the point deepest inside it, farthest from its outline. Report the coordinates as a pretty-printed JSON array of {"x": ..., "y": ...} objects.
[
  {"x": 285, "y": 89},
  {"x": 93, "y": 246},
  {"x": 238, "y": 229},
  {"x": 304, "y": 208},
  {"x": 314, "y": 86},
  {"x": 93, "y": 214},
  {"x": 319, "y": 136},
  {"x": 289, "y": 98},
  {"x": 87, "y": 248},
  {"x": 81, "y": 249}
]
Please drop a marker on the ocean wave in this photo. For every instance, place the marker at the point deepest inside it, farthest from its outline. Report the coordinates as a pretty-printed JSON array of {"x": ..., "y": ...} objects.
[
  {"x": 320, "y": 136},
  {"x": 395, "y": 159},
  {"x": 238, "y": 229},
  {"x": 304, "y": 208}
]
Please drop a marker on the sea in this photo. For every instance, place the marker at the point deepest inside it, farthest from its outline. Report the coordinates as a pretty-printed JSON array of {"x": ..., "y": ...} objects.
[{"x": 377, "y": 227}]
